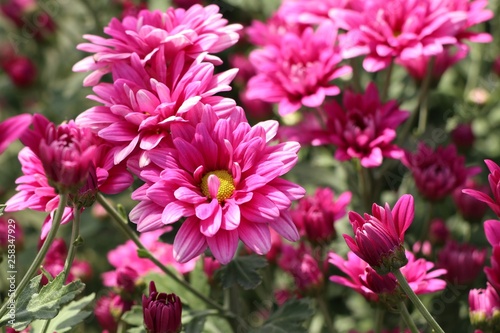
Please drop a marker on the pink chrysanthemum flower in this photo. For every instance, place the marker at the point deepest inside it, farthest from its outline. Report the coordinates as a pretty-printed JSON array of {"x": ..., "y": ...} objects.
[
  {"x": 364, "y": 127},
  {"x": 463, "y": 262},
  {"x": 494, "y": 180},
  {"x": 298, "y": 71},
  {"x": 300, "y": 263},
  {"x": 437, "y": 172},
  {"x": 12, "y": 128},
  {"x": 476, "y": 12},
  {"x": 388, "y": 29},
  {"x": 137, "y": 109},
  {"x": 418, "y": 272},
  {"x": 34, "y": 190},
  {"x": 272, "y": 31},
  {"x": 378, "y": 238},
  {"x": 155, "y": 37},
  {"x": 314, "y": 11},
  {"x": 315, "y": 215},
  {"x": 484, "y": 308},
  {"x": 224, "y": 177},
  {"x": 142, "y": 266}
]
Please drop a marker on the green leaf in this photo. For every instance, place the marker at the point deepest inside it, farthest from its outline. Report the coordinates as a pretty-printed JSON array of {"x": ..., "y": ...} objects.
[
  {"x": 141, "y": 253},
  {"x": 195, "y": 325},
  {"x": 134, "y": 316},
  {"x": 289, "y": 318},
  {"x": 217, "y": 325},
  {"x": 35, "y": 303},
  {"x": 199, "y": 281},
  {"x": 69, "y": 316},
  {"x": 243, "y": 271},
  {"x": 2, "y": 208}
]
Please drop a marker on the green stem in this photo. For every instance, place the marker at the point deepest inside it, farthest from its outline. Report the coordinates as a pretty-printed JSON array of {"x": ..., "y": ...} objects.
[
  {"x": 35, "y": 265},
  {"x": 407, "y": 318},
  {"x": 121, "y": 223},
  {"x": 365, "y": 185},
  {"x": 423, "y": 104},
  {"x": 356, "y": 75},
  {"x": 387, "y": 83},
  {"x": 379, "y": 319},
  {"x": 326, "y": 314},
  {"x": 416, "y": 301},
  {"x": 75, "y": 233},
  {"x": 424, "y": 233}
]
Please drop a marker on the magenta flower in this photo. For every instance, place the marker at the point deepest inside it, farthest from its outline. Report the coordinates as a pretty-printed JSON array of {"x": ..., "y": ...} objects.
[
  {"x": 469, "y": 207},
  {"x": 156, "y": 38},
  {"x": 224, "y": 177},
  {"x": 418, "y": 272},
  {"x": 138, "y": 109},
  {"x": 210, "y": 266},
  {"x": 21, "y": 70},
  {"x": 162, "y": 312},
  {"x": 364, "y": 127},
  {"x": 484, "y": 308},
  {"x": 476, "y": 13},
  {"x": 463, "y": 262},
  {"x": 315, "y": 215},
  {"x": 300, "y": 263},
  {"x": 493, "y": 272},
  {"x": 298, "y": 71},
  {"x": 378, "y": 238},
  {"x": 34, "y": 189},
  {"x": 388, "y": 29},
  {"x": 463, "y": 136},
  {"x": 439, "y": 232},
  {"x": 494, "y": 180},
  {"x": 142, "y": 266},
  {"x": 108, "y": 310},
  {"x": 272, "y": 31},
  {"x": 313, "y": 12},
  {"x": 12, "y": 128},
  {"x": 437, "y": 173}
]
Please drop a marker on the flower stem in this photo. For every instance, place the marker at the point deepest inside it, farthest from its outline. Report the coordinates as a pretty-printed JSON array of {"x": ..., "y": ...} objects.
[
  {"x": 387, "y": 83},
  {"x": 423, "y": 105},
  {"x": 416, "y": 301},
  {"x": 35, "y": 265},
  {"x": 379, "y": 319},
  {"x": 121, "y": 223},
  {"x": 75, "y": 233},
  {"x": 326, "y": 314},
  {"x": 407, "y": 318}
]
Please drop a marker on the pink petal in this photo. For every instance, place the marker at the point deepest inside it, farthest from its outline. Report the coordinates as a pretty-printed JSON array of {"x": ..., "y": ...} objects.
[
  {"x": 256, "y": 236},
  {"x": 223, "y": 245},
  {"x": 189, "y": 241}
]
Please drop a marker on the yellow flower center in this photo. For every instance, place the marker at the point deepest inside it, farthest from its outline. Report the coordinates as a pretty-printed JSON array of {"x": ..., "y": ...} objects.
[{"x": 226, "y": 187}]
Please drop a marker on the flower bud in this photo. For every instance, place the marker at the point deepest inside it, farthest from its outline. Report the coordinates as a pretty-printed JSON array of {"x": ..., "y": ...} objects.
[{"x": 162, "y": 312}]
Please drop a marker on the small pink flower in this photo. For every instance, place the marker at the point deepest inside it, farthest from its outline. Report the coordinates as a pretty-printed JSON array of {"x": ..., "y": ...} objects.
[
  {"x": 364, "y": 127},
  {"x": 21, "y": 71},
  {"x": 463, "y": 136},
  {"x": 315, "y": 215},
  {"x": 493, "y": 272},
  {"x": 439, "y": 232},
  {"x": 224, "y": 177},
  {"x": 463, "y": 262},
  {"x": 142, "y": 266},
  {"x": 304, "y": 268},
  {"x": 210, "y": 266},
  {"x": 156, "y": 38},
  {"x": 484, "y": 308},
  {"x": 108, "y": 310},
  {"x": 494, "y": 180},
  {"x": 469, "y": 207},
  {"x": 12, "y": 128},
  {"x": 272, "y": 31},
  {"x": 437, "y": 173},
  {"x": 378, "y": 238},
  {"x": 298, "y": 71}
]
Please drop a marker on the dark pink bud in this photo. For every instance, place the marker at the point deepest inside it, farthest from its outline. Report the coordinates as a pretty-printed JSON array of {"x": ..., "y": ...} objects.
[
  {"x": 162, "y": 312},
  {"x": 462, "y": 136},
  {"x": 21, "y": 70},
  {"x": 469, "y": 207},
  {"x": 109, "y": 309},
  {"x": 439, "y": 232},
  {"x": 463, "y": 262},
  {"x": 126, "y": 278},
  {"x": 380, "y": 284}
]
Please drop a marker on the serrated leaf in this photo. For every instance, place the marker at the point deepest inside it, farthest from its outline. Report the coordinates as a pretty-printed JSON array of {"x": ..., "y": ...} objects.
[
  {"x": 69, "y": 316},
  {"x": 35, "y": 303},
  {"x": 243, "y": 271},
  {"x": 289, "y": 318},
  {"x": 134, "y": 316}
]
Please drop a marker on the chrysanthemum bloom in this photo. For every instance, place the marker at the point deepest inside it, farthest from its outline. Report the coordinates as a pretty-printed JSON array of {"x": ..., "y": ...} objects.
[
  {"x": 418, "y": 272},
  {"x": 477, "y": 13},
  {"x": 463, "y": 262},
  {"x": 484, "y": 308},
  {"x": 21, "y": 70},
  {"x": 137, "y": 109},
  {"x": 34, "y": 189},
  {"x": 12, "y": 128},
  {"x": 364, "y": 127},
  {"x": 162, "y": 312},
  {"x": 404, "y": 30},
  {"x": 315, "y": 215},
  {"x": 156, "y": 38},
  {"x": 492, "y": 231},
  {"x": 272, "y": 31},
  {"x": 494, "y": 180},
  {"x": 142, "y": 266},
  {"x": 378, "y": 238},
  {"x": 313, "y": 12},
  {"x": 463, "y": 136},
  {"x": 298, "y": 71},
  {"x": 469, "y": 207},
  {"x": 55, "y": 259},
  {"x": 438, "y": 232},
  {"x": 304, "y": 268},
  {"x": 437, "y": 173},
  {"x": 108, "y": 310},
  {"x": 493, "y": 272},
  {"x": 224, "y": 177}
]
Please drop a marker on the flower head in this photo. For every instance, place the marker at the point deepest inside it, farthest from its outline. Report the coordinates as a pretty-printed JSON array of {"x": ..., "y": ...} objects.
[
  {"x": 224, "y": 177},
  {"x": 437, "y": 173},
  {"x": 470, "y": 207},
  {"x": 298, "y": 71},
  {"x": 304, "y": 268},
  {"x": 463, "y": 136},
  {"x": 109, "y": 309},
  {"x": 162, "y": 312},
  {"x": 494, "y": 180},
  {"x": 156, "y": 38},
  {"x": 20, "y": 69},
  {"x": 463, "y": 262},
  {"x": 484, "y": 308},
  {"x": 378, "y": 238},
  {"x": 364, "y": 127},
  {"x": 315, "y": 215}
]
